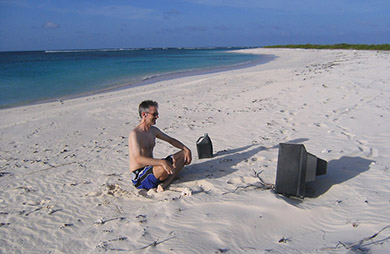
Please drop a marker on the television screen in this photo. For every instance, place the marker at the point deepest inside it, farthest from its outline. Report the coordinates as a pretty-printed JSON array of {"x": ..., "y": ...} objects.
[{"x": 296, "y": 167}]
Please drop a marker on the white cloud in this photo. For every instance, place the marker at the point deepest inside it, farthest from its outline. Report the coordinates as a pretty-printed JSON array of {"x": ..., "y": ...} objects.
[{"x": 51, "y": 25}]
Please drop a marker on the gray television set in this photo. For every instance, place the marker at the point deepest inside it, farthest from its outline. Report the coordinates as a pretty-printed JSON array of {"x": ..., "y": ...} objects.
[{"x": 295, "y": 168}]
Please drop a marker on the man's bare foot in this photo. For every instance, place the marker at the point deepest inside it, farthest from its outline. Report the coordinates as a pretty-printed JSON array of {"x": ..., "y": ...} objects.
[{"x": 160, "y": 188}]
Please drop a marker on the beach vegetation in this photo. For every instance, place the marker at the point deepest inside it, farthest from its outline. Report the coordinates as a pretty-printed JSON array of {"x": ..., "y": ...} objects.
[{"x": 335, "y": 46}]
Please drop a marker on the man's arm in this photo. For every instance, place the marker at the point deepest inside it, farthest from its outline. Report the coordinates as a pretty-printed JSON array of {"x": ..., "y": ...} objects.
[
  {"x": 135, "y": 150},
  {"x": 176, "y": 143}
]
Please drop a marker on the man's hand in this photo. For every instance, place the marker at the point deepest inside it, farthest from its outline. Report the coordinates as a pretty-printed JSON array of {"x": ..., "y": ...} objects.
[
  {"x": 187, "y": 156},
  {"x": 167, "y": 166}
]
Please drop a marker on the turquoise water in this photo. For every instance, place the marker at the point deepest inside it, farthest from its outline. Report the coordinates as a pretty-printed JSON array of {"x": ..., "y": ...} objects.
[{"x": 29, "y": 77}]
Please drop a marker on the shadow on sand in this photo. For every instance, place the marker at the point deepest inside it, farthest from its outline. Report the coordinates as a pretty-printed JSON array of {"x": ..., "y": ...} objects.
[
  {"x": 220, "y": 165},
  {"x": 223, "y": 162},
  {"x": 339, "y": 171}
]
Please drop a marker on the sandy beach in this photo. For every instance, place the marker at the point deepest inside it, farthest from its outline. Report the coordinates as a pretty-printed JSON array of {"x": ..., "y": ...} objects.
[{"x": 66, "y": 186}]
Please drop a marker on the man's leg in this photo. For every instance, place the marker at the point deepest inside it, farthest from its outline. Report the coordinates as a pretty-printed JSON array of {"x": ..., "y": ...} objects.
[{"x": 162, "y": 175}]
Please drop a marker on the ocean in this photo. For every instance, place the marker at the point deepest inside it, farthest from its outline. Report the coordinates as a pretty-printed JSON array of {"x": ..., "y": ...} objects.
[{"x": 37, "y": 76}]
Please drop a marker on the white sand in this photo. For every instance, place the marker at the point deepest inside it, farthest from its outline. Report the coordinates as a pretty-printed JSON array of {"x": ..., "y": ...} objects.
[{"x": 65, "y": 185}]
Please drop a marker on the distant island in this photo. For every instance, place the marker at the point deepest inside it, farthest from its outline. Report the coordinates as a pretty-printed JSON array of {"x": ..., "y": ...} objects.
[{"x": 336, "y": 46}]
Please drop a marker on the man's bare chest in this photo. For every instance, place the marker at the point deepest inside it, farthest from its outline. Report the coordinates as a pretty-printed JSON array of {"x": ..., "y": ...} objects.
[{"x": 148, "y": 141}]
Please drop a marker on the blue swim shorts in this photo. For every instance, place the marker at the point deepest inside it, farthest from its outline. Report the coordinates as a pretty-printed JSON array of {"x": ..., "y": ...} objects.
[{"x": 143, "y": 178}]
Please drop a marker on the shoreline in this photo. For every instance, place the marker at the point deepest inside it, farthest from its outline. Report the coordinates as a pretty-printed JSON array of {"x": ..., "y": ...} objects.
[
  {"x": 64, "y": 166},
  {"x": 149, "y": 80}
]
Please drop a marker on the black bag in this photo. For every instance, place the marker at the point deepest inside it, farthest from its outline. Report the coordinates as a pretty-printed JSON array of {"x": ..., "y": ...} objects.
[{"x": 204, "y": 147}]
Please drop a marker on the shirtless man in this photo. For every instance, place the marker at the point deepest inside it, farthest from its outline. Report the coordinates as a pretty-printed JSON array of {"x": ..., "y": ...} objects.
[{"x": 148, "y": 172}]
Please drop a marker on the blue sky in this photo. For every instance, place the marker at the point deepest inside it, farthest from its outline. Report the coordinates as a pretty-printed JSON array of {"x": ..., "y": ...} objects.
[{"x": 69, "y": 24}]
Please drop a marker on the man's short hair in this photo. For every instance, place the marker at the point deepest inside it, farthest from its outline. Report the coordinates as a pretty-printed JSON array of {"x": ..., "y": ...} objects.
[{"x": 144, "y": 106}]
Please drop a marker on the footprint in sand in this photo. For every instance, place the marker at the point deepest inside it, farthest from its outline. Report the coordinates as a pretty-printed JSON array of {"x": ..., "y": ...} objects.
[
  {"x": 369, "y": 151},
  {"x": 321, "y": 125},
  {"x": 346, "y": 133}
]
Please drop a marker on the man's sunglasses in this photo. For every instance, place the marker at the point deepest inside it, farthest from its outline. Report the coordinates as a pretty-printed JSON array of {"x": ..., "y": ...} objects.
[{"x": 153, "y": 114}]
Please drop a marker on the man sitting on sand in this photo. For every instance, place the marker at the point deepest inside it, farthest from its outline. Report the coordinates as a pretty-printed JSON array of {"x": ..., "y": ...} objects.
[{"x": 147, "y": 172}]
